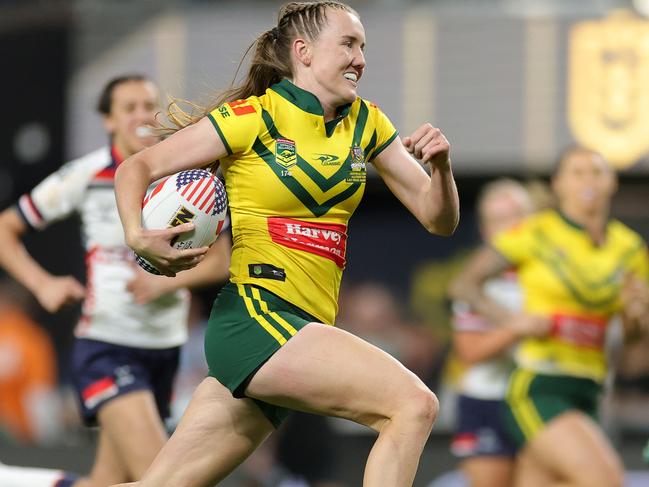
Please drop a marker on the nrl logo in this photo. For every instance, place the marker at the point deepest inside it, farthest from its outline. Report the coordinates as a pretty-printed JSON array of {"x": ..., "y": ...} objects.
[
  {"x": 608, "y": 105},
  {"x": 285, "y": 153}
]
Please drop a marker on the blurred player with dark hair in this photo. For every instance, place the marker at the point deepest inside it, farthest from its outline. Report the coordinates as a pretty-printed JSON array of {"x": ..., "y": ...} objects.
[{"x": 132, "y": 323}]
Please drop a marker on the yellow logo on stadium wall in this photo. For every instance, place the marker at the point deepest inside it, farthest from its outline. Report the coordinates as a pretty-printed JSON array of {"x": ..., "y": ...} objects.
[
  {"x": 608, "y": 86},
  {"x": 285, "y": 153}
]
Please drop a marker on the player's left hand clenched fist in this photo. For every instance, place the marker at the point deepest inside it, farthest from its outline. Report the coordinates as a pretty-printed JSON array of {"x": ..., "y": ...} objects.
[{"x": 428, "y": 144}]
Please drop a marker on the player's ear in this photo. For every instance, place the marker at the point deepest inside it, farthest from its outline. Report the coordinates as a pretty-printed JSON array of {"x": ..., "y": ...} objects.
[
  {"x": 109, "y": 124},
  {"x": 302, "y": 51}
]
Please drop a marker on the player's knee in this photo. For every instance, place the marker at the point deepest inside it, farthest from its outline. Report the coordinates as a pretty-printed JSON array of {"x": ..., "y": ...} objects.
[{"x": 421, "y": 406}]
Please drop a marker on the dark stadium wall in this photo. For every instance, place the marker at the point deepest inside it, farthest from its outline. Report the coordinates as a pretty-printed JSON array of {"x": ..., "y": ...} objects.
[{"x": 35, "y": 47}]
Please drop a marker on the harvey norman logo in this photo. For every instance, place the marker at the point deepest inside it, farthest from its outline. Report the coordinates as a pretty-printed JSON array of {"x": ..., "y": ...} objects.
[{"x": 327, "y": 240}]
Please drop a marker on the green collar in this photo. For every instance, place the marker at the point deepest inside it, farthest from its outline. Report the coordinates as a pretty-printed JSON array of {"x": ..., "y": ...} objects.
[
  {"x": 308, "y": 102},
  {"x": 570, "y": 221}
]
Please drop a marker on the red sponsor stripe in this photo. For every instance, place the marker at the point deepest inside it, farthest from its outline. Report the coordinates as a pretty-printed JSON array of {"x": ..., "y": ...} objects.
[
  {"x": 219, "y": 227},
  {"x": 328, "y": 240},
  {"x": 580, "y": 330},
  {"x": 97, "y": 387}
]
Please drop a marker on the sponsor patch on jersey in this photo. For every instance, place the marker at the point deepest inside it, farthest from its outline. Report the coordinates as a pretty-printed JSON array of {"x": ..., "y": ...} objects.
[
  {"x": 327, "y": 240},
  {"x": 266, "y": 271},
  {"x": 241, "y": 107},
  {"x": 358, "y": 173},
  {"x": 581, "y": 331},
  {"x": 285, "y": 153}
]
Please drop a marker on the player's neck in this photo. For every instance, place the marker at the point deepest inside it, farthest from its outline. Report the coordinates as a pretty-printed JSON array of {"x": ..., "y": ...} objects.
[
  {"x": 308, "y": 83},
  {"x": 120, "y": 151},
  {"x": 594, "y": 222}
]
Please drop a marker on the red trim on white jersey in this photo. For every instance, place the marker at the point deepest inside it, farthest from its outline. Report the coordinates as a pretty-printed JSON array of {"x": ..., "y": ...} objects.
[{"x": 29, "y": 210}]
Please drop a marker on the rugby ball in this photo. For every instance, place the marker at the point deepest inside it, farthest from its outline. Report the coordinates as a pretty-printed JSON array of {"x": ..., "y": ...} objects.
[{"x": 194, "y": 196}]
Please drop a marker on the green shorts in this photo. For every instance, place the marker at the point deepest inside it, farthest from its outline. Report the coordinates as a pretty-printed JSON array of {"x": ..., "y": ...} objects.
[
  {"x": 247, "y": 326},
  {"x": 533, "y": 400}
]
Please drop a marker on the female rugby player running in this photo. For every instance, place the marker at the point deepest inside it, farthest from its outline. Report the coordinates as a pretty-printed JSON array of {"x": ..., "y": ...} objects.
[
  {"x": 293, "y": 143},
  {"x": 577, "y": 268}
]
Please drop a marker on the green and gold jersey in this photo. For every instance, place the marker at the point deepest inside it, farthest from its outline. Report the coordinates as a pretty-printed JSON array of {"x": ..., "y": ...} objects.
[
  {"x": 576, "y": 283},
  {"x": 293, "y": 181}
]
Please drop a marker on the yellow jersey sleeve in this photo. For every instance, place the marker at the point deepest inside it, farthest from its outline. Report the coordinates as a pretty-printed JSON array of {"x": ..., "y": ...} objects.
[
  {"x": 384, "y": 130},
  {"x": 238, "y": 123},
  {"x": 515, "y": 243}
]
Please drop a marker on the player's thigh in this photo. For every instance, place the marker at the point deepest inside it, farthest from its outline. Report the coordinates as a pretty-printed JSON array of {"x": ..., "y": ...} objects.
[
  {"x": 488, "y": 471},
  {"x": 529, "y": 473},
  {"x": 329, "y": 371},
  {"x": 134, "y": 428},
  {"x": 572, "y": 447}
]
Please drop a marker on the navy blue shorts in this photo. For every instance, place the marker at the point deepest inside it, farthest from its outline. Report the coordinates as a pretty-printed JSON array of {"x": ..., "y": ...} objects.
[
  {"x": 481, "y": 429},
  {"x": 103, "y": 371}
]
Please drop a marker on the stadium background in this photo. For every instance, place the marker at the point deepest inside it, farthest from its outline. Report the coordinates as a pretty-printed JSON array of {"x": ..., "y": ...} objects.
[{"x": 510, "y": 82}]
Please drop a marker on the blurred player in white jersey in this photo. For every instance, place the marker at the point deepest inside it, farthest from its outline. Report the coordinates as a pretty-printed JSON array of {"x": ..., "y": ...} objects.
[
  {"x": 132, "y": 323},
  {"x": 480, "y": 440}
]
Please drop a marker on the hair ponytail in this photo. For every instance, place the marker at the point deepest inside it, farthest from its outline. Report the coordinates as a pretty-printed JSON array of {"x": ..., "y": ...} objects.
[{"x": 271, "y": 60}]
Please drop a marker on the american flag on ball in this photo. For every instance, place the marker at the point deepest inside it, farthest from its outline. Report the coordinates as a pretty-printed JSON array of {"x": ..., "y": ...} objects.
[{"x": 201, "y": 189}]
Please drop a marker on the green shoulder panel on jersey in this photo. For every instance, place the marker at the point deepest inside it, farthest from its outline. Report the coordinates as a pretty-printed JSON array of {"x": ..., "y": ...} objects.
[{"x": 218, "y": 130}]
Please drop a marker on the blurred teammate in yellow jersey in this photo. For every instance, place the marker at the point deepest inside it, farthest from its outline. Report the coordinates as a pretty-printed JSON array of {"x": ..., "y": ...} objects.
[
  {"x": 293, "y": 143},
  {"x": 577, "y": 268}
]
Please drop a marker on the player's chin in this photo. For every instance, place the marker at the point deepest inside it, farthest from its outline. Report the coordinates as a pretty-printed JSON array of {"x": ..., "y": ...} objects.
[{"x": 349, "y": 96}]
